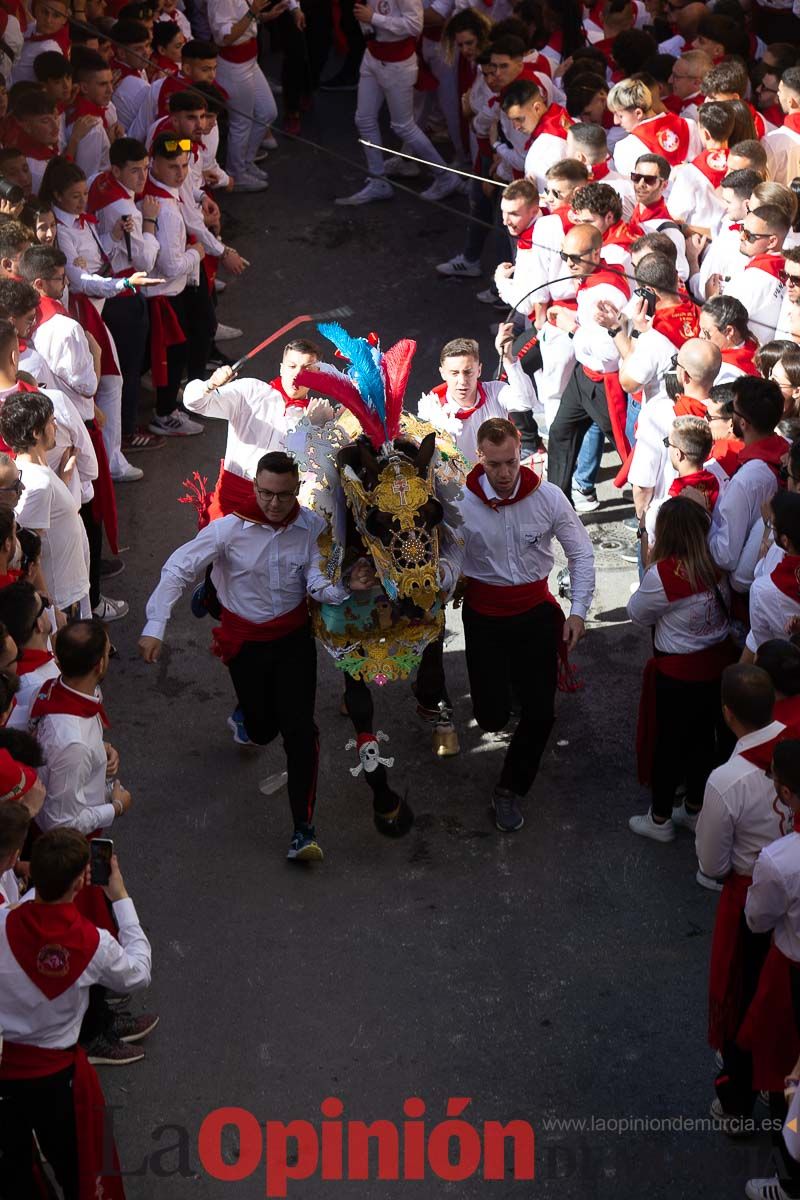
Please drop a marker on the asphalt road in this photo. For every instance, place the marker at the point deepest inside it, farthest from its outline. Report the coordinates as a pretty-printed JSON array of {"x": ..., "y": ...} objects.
[{"x": 557, "y": 975}]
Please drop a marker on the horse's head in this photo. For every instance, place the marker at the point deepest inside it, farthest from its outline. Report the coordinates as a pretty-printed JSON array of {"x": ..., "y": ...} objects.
[{"x": 391, "y": 496}]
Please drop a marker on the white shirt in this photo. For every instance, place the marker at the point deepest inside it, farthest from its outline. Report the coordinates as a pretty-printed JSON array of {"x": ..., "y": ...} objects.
[
  {"x": 741, "y": 813},
  {"x": 130, "y": 96},
  {"x": 693, "y": 199},
  {"x": 23, "y": 67},
  {"x": 737, "y": 510},
  {"x": 770, "y": 608},
  {"x": 175, "y": 262},
  {"x": 545, "y": 150},
  {"x": 761, "y": 294},
  {"x": 9, "y": 888},
  {"x": 591, "y": 344},
  {"x": 26, "y": 1015},
  {"x": 650, "y": 466},
  {"x": 630, "y": 149},
  {"x": 91, "y": 153},
  {"x": 649, "y": 361},
  {"x": 62, "y": 344},
  {"x": 260, "y": 572},
  {"x": 773, "y": 898},
  {"x": 96, "y": 278},
  {"x": 501, "y": 398},
  {"x": 144, "y": 246},
  {"x": 48, "y": 506},
  {"x": 783, "y": 147},
  {"x": 257, "y": 418},
  {"x": 513, "y": 543},
  {"x": 29, "y": 686},
  {"x": 681, "y": 626},
  {"x": 74, "y": 771}
]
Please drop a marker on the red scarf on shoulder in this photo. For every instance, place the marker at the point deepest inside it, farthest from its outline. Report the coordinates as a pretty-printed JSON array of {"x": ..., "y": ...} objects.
[
  {"x": 84, "y": 107},
  {"x": 675, "y": 582},
  {"x": 528, "y": 483},
  {"x": 55, "y": 698},
  {"x": 742, "y": 357},
  {"x": 704, "y": 481},
  {"x": 786, "y": 576},
  {"x": 770, "y": 450},
  {"x": 773, "y": 264},
  {"x": 52, "y": 943},
  {"x": 463, "y": 413}
]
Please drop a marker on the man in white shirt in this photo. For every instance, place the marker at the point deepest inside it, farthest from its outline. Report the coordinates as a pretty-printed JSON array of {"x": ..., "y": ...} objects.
[
  {"x": 775, "y": 592},
  {"x": 14, "y": 824},
  {"x": 515, "y": 631},
  {"x": 758, "y": 283},
  {"x": 543, "y": 125},
  {"x": 95, "y": 83},
  {"x": 722, "y": 257},
  {"x": 50, "y": 957},
  {"x": 266, "y": 562},
  {"x": 46, "y": 505},
  {"x": 26, "y": 616},
  {"x": 783, "y": 143}
]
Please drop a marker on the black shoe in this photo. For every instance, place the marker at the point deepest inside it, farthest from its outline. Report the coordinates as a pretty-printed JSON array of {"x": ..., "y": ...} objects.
[
  {"x": 109, "y": 567},
  {"x": 342, "y": 81},
  {"x": 507, "y": 816}
]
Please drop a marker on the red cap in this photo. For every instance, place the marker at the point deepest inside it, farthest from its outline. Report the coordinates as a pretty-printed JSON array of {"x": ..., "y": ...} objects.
[{"x": 15, "y": 778}]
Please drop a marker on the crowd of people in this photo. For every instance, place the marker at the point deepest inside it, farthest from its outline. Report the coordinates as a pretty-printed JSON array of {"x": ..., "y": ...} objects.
[{"x": 632, "y": 174}]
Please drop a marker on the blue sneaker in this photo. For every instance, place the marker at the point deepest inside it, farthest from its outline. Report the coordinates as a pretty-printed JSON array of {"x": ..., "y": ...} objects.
[
  {"x": 198, "y": 604},
  {"x": 236, "y": 725},
  {"x": 304, "y": 846}
]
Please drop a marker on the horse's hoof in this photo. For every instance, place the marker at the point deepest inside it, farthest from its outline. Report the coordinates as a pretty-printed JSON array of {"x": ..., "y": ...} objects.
[{"x": 397, "y": 824}]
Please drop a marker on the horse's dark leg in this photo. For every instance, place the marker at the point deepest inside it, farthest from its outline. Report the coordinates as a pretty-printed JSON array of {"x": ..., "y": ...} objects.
[
  {"x": 392, "y": 815},
  {"x": 430, "y": 689}
]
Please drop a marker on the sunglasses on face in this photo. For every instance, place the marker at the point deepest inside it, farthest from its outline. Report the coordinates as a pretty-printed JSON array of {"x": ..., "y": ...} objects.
[
  {"x": 649, "y": 180},
  {"x": 573, "y": 259},
  {"x": 716, "y": 417},
  {"x": 789, "y": 278},
  {"x": 748, "y": 236}
]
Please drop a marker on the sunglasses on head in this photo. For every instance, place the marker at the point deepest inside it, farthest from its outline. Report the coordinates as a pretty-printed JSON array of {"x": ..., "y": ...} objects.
[
  {"x": 751, "y": 237},
  {"x": 650, "y": 180},
  {"x": 178, "y": 144}
]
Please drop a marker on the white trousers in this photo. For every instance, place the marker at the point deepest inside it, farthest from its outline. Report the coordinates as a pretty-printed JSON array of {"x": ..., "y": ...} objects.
[
  {"x": 252, "y": 110},
  {"x": 558, "y": 363},
  {"x": 392, "y": 82},
  {"x": 446, "y": 95}
]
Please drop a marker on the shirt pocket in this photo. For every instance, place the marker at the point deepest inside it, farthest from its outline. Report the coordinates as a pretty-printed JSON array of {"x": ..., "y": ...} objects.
[{"x": 531, "y": 536}]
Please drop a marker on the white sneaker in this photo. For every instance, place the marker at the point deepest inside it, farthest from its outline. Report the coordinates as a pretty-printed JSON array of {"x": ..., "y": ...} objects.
[
  {"x": 401, "y": 168},
  {"x": 585, "y": 501},
  {"x": 765, "y": 1189},
  {"x": 127, "y": 474},
  {"x": 460, "y": 268},
  {"x": 444, "y": 185},
  {"x": 706, "y": 881},
  {"x": 175, "y": 424},
  {"x": 681, "y": 816},
  {"x": 227, "y": 333},
  {"x": 249, "y": 183},
  {"x": 645, "y": 826},
  {"x": 375, "y": 189},
  {"x": 255, "y": 172},
  {"x": 220, "y": 285},
  {"x": 111, "y": 610},
  {"x": 269, "y": 140}
]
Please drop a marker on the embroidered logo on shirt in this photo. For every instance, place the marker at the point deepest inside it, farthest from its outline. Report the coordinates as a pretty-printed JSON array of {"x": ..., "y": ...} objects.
[
  {"x": 668, "y": 140},
  {"x": 53, "y": 961}
]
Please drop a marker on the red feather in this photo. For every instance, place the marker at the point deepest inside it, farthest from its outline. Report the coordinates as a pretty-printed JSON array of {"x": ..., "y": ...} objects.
[
  {"x": 337, "y": 387},
  {"x": 396, "y": 370}
]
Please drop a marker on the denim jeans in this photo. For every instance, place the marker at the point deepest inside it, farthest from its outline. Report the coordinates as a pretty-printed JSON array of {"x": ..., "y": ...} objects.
[
  {"x": 589, "y": 459},
  {"x": 634, "y": 408}
]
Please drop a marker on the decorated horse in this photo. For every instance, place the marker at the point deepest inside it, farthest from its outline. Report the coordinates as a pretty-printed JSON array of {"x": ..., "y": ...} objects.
[{"x": 386, "y": 484}]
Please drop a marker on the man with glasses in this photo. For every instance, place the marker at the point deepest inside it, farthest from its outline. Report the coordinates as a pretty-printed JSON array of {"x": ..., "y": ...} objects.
[
  {"x": 760, "y": 285},
  {"x": 687, "y": 72},
  {"x": 266, "y": 562},
  {"x": 722, "y": 257},
  {"x": 650, "y": 180},
  {"x": 791, "y": 281},
  {"x": 26, "y": 615}
]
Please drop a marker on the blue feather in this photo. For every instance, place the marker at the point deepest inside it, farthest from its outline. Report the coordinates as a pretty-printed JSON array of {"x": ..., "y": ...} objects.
[{"x": 364, "y": 370}]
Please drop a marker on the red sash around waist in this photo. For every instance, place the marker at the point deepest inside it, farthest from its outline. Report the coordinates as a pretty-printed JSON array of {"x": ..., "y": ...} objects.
[
  {"x": 97, "y": 1153},
  {"x": 241, "y": 53},
  {"x": 165, "y": 331},
  {"x": 231, "y": 634},
  {"x": 617, "y": 403},
  {"x": 492, "y": 600},
  {"x": 725, "y": 973},
  {"x": 769, "y": 1030},
  {"x": 82, "y": 309},
  {"x": 104, "y": 504},
  {"x": 701, "y": 666},
  {"x": 392, "y": 51}
]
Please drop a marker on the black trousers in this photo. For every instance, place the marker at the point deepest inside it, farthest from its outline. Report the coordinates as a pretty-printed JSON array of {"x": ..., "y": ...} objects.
[
  {"x": 304, "y": 51},
  {"x": 194, "y": 310},
  {"x": 94, "y": 532},
  {"x": 688, "y": 715},
  {"x": 734, "y": 1084},
  {"x": 582, "y": 403},
  {"x": 46, "y": 1107},
  {"x": 128, "y": 319},
  {"x": 515, "y": 660},
  {"x": 276, "y": 686}
]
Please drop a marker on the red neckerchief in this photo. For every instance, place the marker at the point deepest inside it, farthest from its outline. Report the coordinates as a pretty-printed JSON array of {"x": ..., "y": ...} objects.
[
  {"x": 106, "y": 190},
  {"x": 15, "y": 8},
  {"x": 541, "y": 65},
  {"x": 608, "y": 273},
  {"x": 563, "y": 215},
  {"x": 674, "y": 581},
  {"x": 165, "y": 126},
  {"x": 124, "y": 71},
  {"x": 599, "y": 171},
  {"x": 758, "y": 120},
  {"x": 528, "y": 73},
  {"x": 555, "y": 121},
  {"x": 165, "y": 64},
  {"x": 775, "y": 115},
  {"x": 771, "y": 264},
  {"x": 84, "y": 107},
  {"x": 677, "y": 322},
  {"x": 786, "y": 576},
  {"x": 151, "y": 188},
  {"x": 256, "y": 517},
  {"x": 463, "y": 413},
  {"x": 704, "y": 481},
  {"x": 653, "y": 212},
  {"x": 787, "y": 711},
  {"x": 742, "y": 356},
  {"x": 736, "y": 226},
  {"x": 52, "y": 943},
  {"x": 55, "y": 698},
  {"x": 289, "y": 401},
  {"x": 31, "y": 660},
  {"x": 49, "y": 308},
  {"x": 666, "y": 134},
  {"x": 770, "y": 450},
  {"x": 528, "y": 483},
  {"x": 525, "y": 239},
  {"x": 688, "y": 406},
  {"x": 620, "y": 235},
  {"x": 33, "y": 149},
  {"x": 792, "y": 121},
  {"x": 726, "y": 452},
  {"x": 83, "y": 219},
  {"x": 60, "y": 37},
  {"x": 713, "y": 164}
]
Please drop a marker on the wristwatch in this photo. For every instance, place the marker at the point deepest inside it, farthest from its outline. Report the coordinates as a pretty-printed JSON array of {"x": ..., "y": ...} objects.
[{"x": 613, "y": 332}]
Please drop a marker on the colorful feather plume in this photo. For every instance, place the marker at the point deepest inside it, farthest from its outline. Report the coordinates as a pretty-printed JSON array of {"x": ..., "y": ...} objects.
[
  {"x": 396, "y": 365},
  {"x": 333, "y": 384},
  {"x": 364, "y": 367}
]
